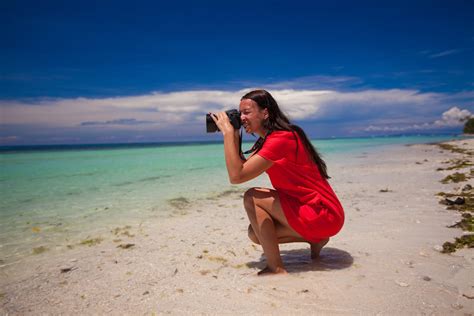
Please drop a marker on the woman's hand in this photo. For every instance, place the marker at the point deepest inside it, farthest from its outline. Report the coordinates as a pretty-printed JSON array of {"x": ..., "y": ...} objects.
[
  {"x": 223, "y": 123},
  {"x": 238, "y": 168}
]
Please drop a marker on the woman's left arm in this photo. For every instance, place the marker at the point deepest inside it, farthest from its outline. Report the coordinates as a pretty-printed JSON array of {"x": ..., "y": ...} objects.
[{"x": 238, "y": 170}]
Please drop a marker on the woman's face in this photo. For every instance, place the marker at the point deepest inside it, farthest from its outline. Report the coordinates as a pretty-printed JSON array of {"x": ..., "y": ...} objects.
[{"x": 252, "y": 117}]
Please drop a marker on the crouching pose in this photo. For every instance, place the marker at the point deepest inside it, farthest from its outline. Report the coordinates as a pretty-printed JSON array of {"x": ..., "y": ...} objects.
[{"x": 302, "y": 207}]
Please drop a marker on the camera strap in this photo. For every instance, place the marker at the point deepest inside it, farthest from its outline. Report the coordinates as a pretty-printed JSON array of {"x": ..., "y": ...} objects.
[
  {"x": 255, "y": 146},
  {"x": 240, "y": 147}
]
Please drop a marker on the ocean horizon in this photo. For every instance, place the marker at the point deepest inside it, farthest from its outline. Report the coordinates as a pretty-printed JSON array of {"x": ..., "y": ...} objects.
[{"x": 112, "y": 145}]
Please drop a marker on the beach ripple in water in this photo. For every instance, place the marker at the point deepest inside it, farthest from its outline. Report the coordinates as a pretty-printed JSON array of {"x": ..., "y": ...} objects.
[{"x": 179, "y": 203}]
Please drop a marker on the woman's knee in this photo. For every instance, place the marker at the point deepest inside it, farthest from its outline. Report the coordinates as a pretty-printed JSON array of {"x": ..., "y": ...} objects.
[
  {"x": 253, "y": 237},
  {"x": 249, "y": 198}
]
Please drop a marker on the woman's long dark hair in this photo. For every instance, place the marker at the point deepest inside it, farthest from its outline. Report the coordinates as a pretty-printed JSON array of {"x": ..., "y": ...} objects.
[{"x": 278, "y": 121}]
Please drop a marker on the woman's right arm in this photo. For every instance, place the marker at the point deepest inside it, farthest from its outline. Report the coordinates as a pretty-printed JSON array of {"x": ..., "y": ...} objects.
[
  {"x": 239, "y": 170},
  {"x": 252, "y": 168},
  {"x": 237, "y": 144}
]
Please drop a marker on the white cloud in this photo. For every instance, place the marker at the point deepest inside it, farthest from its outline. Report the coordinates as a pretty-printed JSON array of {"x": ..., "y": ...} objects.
[
  {"x": 183, "y": 112},
  {"x": 454, "y": 117},
  {"x": 315, "y": 82},
  {"x": 445, "y": 53},
  {"x": 8, "y": 139},
  {"x": 187, "y": 106},
  {"x": 124, "y": 121},
  {"x": 161, "y": 108}
]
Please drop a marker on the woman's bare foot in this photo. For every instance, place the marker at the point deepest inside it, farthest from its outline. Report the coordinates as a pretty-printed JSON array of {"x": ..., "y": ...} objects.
[
  {"x": 268, "y": 271},
  {"x": 316, "y": 248}
]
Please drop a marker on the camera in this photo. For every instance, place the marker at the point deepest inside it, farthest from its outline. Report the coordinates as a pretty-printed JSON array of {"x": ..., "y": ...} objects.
[{"x": 234, "y": 117}]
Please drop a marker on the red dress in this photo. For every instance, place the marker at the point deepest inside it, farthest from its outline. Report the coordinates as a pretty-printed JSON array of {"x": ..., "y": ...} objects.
[{"x": 308, "y": 201}]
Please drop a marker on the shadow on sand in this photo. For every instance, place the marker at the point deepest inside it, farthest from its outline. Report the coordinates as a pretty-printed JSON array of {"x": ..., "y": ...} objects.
[{"x": 299, "y": 260}]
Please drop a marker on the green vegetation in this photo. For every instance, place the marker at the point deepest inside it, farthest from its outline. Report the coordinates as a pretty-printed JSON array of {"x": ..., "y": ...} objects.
[
  {"x": 122, "y": 231},
  {"x": 457, "y": 164},
  {"x": 40, "y": 249},
  {"x": 459, "y": 243},
  {"x": 91, "y": 242},
  {"x": 455, "y": 177},
  {"x": 239, "y": 266},
  {"x": 469, "y": 126},
  {"x": 466, "y": 224},
  {"x": 218, "y": 259},
  {"x": 179, "y": 203},
  {"x": 462, "y": 201},
  {"x": 125, "y": 246},
  {"x": 453, "y": 148},
  {"x": 468, "y": 205}
]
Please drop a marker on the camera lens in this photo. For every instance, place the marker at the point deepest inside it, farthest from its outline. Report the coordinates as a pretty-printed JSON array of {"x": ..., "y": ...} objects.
[
  {"x": 234, "y": 118},
  {"x": 211, "y": 126}
]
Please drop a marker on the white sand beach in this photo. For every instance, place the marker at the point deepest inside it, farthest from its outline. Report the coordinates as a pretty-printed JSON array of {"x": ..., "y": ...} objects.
[{"x": 386, "y": 260}]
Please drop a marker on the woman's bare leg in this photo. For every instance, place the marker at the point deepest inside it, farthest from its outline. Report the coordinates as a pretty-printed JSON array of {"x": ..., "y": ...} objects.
[
  {"x": 266, "y": 203},
  {"x": 268, "y": 225},
  {"x": 316, "y": 247},
  {"x": 264, "y": 227},
  {"x": 286, "y": 235}
]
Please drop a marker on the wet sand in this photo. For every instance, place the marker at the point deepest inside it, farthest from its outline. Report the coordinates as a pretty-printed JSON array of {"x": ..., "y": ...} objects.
[{"x": 386, "y": 260}]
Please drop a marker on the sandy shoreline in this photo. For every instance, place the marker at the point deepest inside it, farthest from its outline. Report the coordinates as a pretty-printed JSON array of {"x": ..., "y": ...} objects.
[{"x": 386, "y": 260}]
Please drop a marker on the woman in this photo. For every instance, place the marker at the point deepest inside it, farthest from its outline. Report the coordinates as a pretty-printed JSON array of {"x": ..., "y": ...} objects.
[{"x": 303, "y": 207}]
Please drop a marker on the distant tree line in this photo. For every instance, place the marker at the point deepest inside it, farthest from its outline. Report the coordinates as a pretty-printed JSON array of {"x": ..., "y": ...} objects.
[{"x": 469, "y": 126}]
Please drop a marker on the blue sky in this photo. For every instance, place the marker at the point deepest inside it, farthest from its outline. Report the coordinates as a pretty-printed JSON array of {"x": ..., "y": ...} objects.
[{"x": 111, "y": 71}]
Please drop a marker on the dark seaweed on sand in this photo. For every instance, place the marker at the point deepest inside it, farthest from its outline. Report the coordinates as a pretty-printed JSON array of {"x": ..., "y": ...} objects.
[
  {"x": 466, "y": 223},
  {"x": 455, "y": 177},
  {"x": 460, "y": 242},
  {"x": 457, "y": 164},
  {"x": 125, "y": 246},
  {"x": 40, "y": 249},
  {"x": 454, "y": 149},
  {"x": 91, "y": 241},
  {"x": 179, "y": 203},
  {"x": 462, "y": 202},
  {"x": 467, "y": 206}
]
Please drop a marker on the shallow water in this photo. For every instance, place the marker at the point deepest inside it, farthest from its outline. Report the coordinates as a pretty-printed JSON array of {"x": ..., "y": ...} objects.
[{"x": 53, "y": 197}]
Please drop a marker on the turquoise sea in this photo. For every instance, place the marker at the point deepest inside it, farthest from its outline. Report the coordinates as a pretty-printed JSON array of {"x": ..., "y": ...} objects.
[{"x": 56, "y": 196}]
